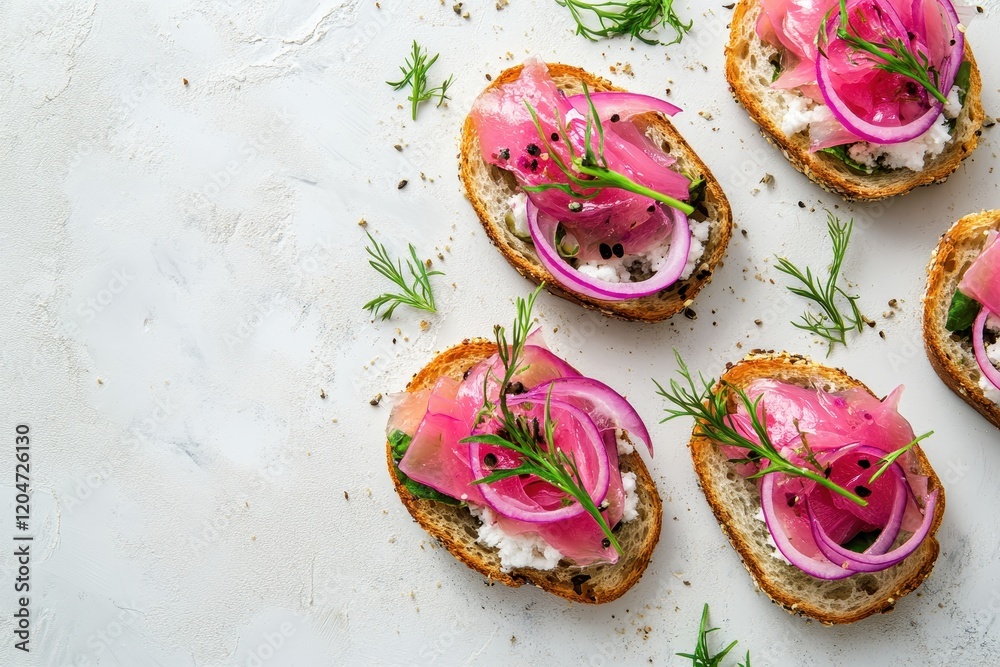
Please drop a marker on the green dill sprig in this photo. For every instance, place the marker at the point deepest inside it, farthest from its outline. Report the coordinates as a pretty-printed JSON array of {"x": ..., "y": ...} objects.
[
  {"x": 889, "y": 459},
  {"x": 588, "y": 174},
  {"x": 418, "y": 295},
  {"x": 634, "y": 18},
  {"x": 890, "y": 55},
  {"x": 702, "y": 656},
  {"x": 710, "y": 409},
  {"x": 534, "y": 442},
  {"x": 831, "y": 325},
  {"x": 415, "y": 76}
]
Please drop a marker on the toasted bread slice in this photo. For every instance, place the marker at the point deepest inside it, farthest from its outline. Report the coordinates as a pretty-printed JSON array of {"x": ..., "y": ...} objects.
[
  {"x": 489, "y": 189},
  {"x": 736, "y": 501},
  {"x": 456, "y": 529},
  {"x": 951, "y": 355},
  {"x": 749, "y": 71}
]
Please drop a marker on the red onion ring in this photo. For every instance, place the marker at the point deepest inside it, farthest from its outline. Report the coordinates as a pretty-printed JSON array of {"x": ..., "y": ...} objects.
[
  {"x": 837, "y": 562},
  {"x": 885, "y": 134},
  {"x": 625, "y": 105},
  {"x": 543, "y": 231},
  {"x": 870, "y": 562},
  {"x": 989, "y": 371},
  {"x": 606, "y": 407},
  {"x": 821, "y": 569},
  {"x": 517, "y": 505}
]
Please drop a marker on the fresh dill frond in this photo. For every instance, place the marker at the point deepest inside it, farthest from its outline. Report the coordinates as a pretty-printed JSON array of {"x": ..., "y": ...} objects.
[
  {"x": 889, "y": 459},
  {"x": 702, "y": 656},
  {"x": 416, "y": 295},
  {"x": 635, "y": 18},
  {"x": 710, "y": 409},
  {"x": 415, "y": 76},
  {"x": 534, "y": 442},
  {"x": 891, "y": 54},
  {"x": 588, "y": 174},
  {"x": 830, "y": 324}
]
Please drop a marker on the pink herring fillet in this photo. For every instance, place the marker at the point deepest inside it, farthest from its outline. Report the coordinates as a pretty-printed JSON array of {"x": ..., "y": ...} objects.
[
  {"x": 832, "y": 424},
  {"x": 792, "y": 25},
  {"x": 982, "y": 280},
  {"x": 509, "y": 140},
  {"x": 870, "y": 104},
  {"x": 438, "y": 459},
  {"x": 435, "y": 456}
]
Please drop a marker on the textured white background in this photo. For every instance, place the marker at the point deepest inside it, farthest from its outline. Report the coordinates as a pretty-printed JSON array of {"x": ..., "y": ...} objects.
[{"x": 183, "y": 275}]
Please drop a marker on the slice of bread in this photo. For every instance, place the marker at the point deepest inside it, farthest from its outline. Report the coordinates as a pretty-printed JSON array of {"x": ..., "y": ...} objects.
[
  {"x": 736, "y": 502},
  {"x": 456, "y": 529},
  {"x": 490, "y": 188},
  {"x": 749, "y": 70},
  {"x": 951, "y": 355}
]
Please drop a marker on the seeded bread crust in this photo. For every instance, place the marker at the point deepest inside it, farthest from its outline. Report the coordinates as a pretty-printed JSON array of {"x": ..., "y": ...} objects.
[
  {"x": 749, "y": 72},
  {"x": 951, "y": 356},
  {"x": 736, "y": 501},
  {"x": 489, "y": 188},
  {"x": 456, "y": 529}
]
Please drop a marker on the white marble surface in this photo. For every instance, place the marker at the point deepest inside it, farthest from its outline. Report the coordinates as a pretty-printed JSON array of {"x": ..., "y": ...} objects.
[{"x": 184, "y": 276}]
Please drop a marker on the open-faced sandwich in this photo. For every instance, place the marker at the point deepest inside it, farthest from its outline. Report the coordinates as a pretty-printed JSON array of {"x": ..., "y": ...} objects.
[
  {"x": 592, "y": 191},
  {"x": 819, "y": 485},
  {"x": 524, "y": 469},
  {"x": 868, "y": 98},
  {"x": 962, "y": 312}
]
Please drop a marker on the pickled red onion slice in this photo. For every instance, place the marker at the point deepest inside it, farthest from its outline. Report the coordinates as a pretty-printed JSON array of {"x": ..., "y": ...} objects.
[
  {"x": 880, "y": 106},
  {"x": 575, "y": 434},
  {"x": 543, "y": 228},
  {"x": 979, "y": 347}
]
